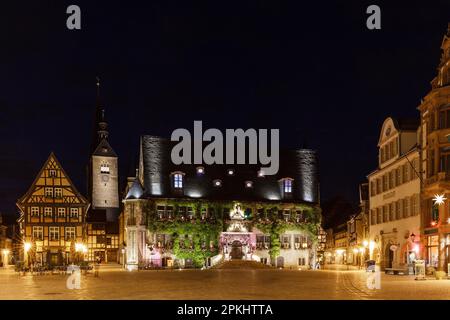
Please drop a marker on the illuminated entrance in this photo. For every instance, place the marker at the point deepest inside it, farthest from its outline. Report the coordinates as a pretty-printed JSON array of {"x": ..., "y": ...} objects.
[
  {"x": 237, "y": 242},
  {"x": 237, "y": 245},
  {"x": 236, "y": 250}
]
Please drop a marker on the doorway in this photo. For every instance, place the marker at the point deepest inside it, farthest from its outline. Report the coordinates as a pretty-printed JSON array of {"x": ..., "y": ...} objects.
[
  {"x": 389, "y": 257},
  {"x": 236, "y": 250}
]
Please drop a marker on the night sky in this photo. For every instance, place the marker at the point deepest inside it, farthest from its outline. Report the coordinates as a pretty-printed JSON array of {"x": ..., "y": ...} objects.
[{"x": 313, "y": 71}]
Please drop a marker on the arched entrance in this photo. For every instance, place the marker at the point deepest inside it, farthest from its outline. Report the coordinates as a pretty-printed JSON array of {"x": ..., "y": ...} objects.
[{"x": 236, "y": 250}]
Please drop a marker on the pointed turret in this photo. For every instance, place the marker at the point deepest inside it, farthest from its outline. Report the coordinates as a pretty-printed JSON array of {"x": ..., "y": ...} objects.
[{"x": 103, "y": 168}]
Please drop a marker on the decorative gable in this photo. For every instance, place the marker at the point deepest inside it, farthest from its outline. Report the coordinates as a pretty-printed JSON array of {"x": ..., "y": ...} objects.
[{"x": 52, "y": 186}]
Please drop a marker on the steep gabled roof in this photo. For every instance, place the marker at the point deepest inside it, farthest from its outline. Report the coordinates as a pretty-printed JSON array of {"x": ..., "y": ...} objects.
[
  {"x": 136, "y": 191},
  {"x": 104, "y": 149},
  {"x": 51, "y": 163}
]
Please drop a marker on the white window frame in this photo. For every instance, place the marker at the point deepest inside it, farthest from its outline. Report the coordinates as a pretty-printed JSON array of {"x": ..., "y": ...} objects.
[
  {"x": 58, "y": 192},
  {"x": 70, "y": 233},
  {"x": 48, "y": 211},
  {"x": 34, "y": 211},
  {"x": 74, "y": 212},
  {"x": 48, "y": 191},
  {"x": 53, "y": 233},
  {"x": 39, "y": 231},
  {"x": 61, "y": 212}
]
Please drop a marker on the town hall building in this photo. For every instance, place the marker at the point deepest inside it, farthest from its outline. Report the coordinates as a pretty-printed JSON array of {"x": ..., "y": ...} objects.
[{"x": 191, "y": 215}]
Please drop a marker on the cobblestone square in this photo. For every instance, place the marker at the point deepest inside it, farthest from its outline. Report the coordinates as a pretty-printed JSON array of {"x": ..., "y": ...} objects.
[{"x": 261, "y": 284}]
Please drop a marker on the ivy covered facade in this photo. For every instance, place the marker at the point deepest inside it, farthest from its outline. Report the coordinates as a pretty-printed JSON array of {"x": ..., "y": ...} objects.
[{"x": 197, "y": 216}]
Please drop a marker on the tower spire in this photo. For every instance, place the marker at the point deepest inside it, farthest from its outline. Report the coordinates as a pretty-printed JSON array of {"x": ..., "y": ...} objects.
[{"x": 101, "y": 124}]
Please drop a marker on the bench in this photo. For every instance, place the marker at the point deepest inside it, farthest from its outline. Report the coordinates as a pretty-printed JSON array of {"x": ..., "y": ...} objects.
[{"x": 403, "y": 271}]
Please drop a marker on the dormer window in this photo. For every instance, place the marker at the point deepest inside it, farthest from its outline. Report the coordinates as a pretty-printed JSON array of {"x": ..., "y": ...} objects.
[
  {"x": 217, "y": 183},
  {"x": 178, "y": 180},
  {"x": 52, "y": 173},
  {"x": 104, "y": 168},
  {"x": 287, "y": 185}
]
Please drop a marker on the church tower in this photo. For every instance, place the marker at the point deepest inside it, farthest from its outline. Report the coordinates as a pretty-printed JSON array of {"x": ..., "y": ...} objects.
[{"x": 103, "y": 167}]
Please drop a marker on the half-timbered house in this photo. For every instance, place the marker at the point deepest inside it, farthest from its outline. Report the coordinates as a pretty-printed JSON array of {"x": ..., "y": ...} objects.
[{"x": 52, "y": 219}]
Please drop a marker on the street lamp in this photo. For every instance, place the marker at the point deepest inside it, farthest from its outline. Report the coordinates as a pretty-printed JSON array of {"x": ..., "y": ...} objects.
[
  {"x": 123, "y": 257},
  {"x": 80, "y": 249},
  {"x": 27, "y": 246}
]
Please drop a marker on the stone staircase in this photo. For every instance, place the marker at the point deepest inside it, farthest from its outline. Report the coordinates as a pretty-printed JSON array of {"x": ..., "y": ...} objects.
[{"x": 241, "y": 264}]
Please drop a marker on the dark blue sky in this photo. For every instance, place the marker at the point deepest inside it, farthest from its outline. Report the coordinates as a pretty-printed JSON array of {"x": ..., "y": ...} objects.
[{"x": 312, "y": 70}]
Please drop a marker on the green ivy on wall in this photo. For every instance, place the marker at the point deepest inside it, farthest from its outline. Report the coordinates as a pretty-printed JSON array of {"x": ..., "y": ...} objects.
[
  {"x": 201, "y": 231},
  {"x": 268, "y": 222}
]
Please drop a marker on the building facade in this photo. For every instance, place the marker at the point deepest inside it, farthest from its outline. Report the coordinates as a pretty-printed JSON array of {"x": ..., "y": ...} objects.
[
  {"x": 435, "y": 122},
  {"x": 395, "y": 196},
  {"x": 340, "y": 244},
  {"x": 52, "y": 218},
  {"x": 193, "y": 215}
]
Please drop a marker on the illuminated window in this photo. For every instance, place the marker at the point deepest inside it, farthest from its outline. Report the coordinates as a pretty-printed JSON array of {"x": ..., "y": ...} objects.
[
  {"x": 58, "y": 192},
  {"x": 74, "y": 212},
  {"x": 178, "y": 180},
  {"x": 287, "y": 185},
  {"x": 53, "y": 233},
  {"x": 104, "y": 168},
  {"x": 70, "y": 233},
  {"x": 34, "y": 211},
  {"x": 61, "y": 212},
  {"x": 38, "y": 233},
  {"x": 48, "y": 192},
  {"x": 47, "y": 212}
]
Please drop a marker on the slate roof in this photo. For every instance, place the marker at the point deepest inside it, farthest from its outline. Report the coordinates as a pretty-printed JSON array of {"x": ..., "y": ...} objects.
[
  {"x": 157, "y": 167},
  {"x": 104, "y": 149}
]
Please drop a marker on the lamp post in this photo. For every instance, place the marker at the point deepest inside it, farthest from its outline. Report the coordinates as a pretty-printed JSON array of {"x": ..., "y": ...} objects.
[
  {"x": 26, "y": 248},
  {"x": 80, "y": 250}
]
